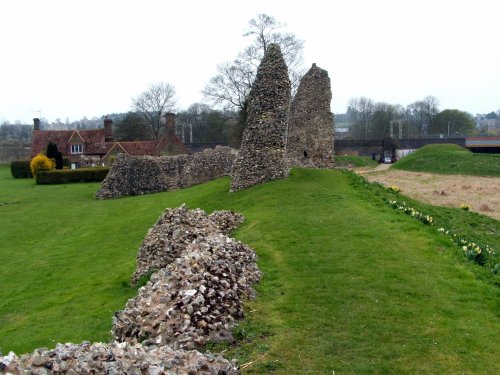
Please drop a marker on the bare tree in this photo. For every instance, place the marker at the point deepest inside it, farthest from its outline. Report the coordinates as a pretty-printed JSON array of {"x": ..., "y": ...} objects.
[
  {"x": 233, "y": 81},
  {"x": 231, "y": 85},
  {"x": 153, "y": 103},
  {"x": 421, "y": 113},
  {"x": 360, "y": 111}
]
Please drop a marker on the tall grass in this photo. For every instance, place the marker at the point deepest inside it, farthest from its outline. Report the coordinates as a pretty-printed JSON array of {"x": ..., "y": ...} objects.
[{"x": 348, "y": 285}]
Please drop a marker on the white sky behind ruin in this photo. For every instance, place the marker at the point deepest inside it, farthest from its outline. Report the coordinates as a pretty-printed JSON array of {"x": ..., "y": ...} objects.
[{"x": 70, "y": 59}]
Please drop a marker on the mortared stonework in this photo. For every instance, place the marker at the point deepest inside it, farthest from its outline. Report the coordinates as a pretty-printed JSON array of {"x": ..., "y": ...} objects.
[
  {"x": 262, "y": 155},
  {"x": 310, "y": 131}
]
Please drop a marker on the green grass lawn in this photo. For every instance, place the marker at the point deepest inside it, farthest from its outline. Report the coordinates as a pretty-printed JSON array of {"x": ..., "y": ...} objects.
[
  {"x": 349, "y": 285},
  {"x": 450, "y": 159}
]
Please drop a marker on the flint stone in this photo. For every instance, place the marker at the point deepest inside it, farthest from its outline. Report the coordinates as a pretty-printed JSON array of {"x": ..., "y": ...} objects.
[
  {"x": 137, "y": 175},
  {"x": 310, "y": 132},
  {"x": 174, "y": 230},
  {"x": 118, "y": 358},
  {"x": 262, "y": 153}
]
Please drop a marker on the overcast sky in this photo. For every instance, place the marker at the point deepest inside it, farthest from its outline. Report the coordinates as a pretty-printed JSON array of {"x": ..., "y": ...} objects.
[{"x": 70, "y": 59}]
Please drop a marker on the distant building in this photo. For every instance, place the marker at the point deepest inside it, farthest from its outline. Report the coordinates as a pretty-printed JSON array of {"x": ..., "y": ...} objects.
[{"x": 94, "y": 147}]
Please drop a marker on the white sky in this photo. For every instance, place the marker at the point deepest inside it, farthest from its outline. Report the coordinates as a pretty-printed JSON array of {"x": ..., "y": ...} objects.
[{"x": 89, "y": 58}]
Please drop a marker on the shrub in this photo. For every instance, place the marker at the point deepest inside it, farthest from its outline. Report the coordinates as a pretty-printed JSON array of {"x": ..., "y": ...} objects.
[
  {"x": 64, "y": 176},
  {"x": 41, "y": 163},
  {"x": 20, "y": 169}
]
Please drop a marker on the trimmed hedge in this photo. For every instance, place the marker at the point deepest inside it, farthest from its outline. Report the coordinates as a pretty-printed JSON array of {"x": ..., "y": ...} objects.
[
  {"x": 20, "y": 169},
  {"x": 65, "y": 176}
]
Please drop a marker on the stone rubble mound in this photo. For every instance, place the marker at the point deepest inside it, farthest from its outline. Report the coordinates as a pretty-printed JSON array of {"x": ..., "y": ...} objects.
[
  {"x": 197, "y": 297},
  {"x": 226, "y": 220},
  {"x": 137, "y": 175},
  {"x": 262, "y": 154},
  {"x": 174, "y": 230},
  {"x": 193, "y": 300},
  {"x": 115, "y": 358}
]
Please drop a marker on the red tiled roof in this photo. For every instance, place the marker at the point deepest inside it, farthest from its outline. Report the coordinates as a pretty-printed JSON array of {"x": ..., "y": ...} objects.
[
  {"x": 94, "y": 141},
  {"x": 41, "y": 139},
  {"x": 140, "y": 148},
  {"x": 168, "y": 140}
]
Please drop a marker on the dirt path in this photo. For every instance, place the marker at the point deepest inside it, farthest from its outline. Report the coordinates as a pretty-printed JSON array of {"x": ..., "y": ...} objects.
[
  {"x": 380, "y": 167},
  {"x": 482, "y": 194}
]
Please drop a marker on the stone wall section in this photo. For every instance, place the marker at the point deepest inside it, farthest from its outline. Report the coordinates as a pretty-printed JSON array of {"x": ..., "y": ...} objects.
[
  {"x": 310, "y": 131},
  {"x": 137, "y": 175},
  {"x": 262, "y": 153}
]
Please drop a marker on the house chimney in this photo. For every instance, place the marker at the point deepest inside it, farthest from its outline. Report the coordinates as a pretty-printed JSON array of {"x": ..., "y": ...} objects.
[
  {"x": 108, "y": 129},
  {"x": 36, "y": 124},
  {"x": 170, "y": 125}
]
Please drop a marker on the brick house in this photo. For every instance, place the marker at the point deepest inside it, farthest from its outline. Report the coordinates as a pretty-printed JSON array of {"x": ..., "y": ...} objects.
[{"x": 94, "y": 147}]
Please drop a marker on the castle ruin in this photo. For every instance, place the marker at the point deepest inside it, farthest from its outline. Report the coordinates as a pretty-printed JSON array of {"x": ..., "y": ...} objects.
[
  {"x": 262, "y": 153},
  {"x": 310, "y": 131}
]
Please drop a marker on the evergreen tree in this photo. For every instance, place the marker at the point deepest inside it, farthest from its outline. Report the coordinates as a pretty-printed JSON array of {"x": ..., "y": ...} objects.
[{"x": 54, "y": 153}]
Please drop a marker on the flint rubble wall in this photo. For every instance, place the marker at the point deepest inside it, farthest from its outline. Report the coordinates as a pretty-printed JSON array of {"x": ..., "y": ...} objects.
[
  {"x": 195, "y": 297},
  {"x": 137, "y": 175}
]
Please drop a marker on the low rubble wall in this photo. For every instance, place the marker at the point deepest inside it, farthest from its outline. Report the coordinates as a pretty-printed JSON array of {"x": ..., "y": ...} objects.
[
  {"x": 137, "y": 175},
  {"x": 195, "y": 296}
]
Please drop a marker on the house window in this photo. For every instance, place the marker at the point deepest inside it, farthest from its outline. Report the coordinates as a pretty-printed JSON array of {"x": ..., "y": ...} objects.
[{"x": 76, "y": 149}]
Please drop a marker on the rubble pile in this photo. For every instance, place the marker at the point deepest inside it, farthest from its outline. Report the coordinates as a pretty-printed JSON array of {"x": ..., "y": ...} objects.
[
  {"x": 193, "y": 300},
  {"x": 174, "y": 230},
  {"x": 116, "y": 358},
  {"x": 226, "y": 220},
  {"x": 195, "y": 297}
]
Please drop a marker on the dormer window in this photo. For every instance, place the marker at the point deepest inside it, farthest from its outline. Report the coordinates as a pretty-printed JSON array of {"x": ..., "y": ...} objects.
[{"x": 77, "y": 149}]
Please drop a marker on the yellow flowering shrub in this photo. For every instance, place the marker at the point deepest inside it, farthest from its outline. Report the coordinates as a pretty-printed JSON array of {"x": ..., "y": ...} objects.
[{"x": 41, "y": 163}]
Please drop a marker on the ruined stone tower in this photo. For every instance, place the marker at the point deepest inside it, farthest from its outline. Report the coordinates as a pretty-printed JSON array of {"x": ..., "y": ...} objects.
[
  {"x": 262, "y": 154},
  {"x": 310, "y": 131}
]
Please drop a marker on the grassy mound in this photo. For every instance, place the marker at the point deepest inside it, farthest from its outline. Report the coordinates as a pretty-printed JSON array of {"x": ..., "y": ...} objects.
[
  {"x": 450, "y": 159},
  {"x": 349, "y": 284}
]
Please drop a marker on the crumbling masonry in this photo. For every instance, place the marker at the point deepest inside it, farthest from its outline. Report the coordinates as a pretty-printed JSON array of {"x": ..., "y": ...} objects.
[
  {"x": 262, "y": 153},
  {"x": 137, "y": 175},
  {"x": 310, "y": 131}
]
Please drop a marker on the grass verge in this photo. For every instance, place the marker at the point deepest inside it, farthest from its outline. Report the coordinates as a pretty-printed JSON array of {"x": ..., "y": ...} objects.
[{"x": 348, "y": 284}]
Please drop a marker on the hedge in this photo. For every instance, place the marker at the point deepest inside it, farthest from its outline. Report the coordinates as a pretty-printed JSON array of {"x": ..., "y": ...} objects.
[
  {"x": 20, "y": 169},
  {"x": 64, "y": 176}
]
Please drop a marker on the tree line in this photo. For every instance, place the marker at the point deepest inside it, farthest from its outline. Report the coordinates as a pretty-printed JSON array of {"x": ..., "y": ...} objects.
[{"x": 368, "y": 119}]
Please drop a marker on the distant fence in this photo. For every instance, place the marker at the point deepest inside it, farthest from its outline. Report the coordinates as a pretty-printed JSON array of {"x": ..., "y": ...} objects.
[{"x": 14, "y": 150}]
